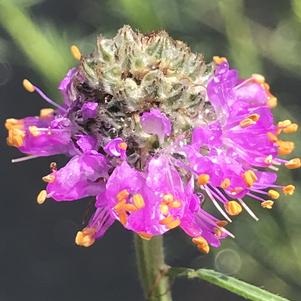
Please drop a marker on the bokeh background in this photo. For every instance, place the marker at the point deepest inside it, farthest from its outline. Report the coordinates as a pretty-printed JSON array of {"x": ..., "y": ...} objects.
[{"x": 38, "y": 258}]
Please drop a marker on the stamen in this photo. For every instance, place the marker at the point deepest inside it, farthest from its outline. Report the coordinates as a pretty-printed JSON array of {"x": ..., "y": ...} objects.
[
  {"x": 254, "y": 117},
  {"x": 219, "y": 60},
  {"x": 86, "y": 237},
  {"x": 293, "y": 163},
  {"x": 34, "y": 131},
  {"x": 293, "y": 128},
  {"x": 272, "y": 137},
  {"x": 122, "y": 217},
  {"x": 284, "y": 123},
  {"x": 249, "y": 177},
  {"x": 49, "y": 178},
  {"x": 53, "y": 166},
  {"x": 122, "y": 145},
  {"x": 46, "y": 112},
  {"x": 145, "y": 236},
  {"x": 225, "y": 183},
  {"x": 164, "y": 209},
  {"x": 130, "y": 207},
  {"x": 166, "y": 220},
  {"x": 288, "y": 189},
  {"x": 175, "y": 204},
  {"x": 120, "y": 205},
  {"x": 268, "y": 159},
  {"x": 15, "y": 137},
  {"x": 173, "y": 224},
  {"x": 31, "y": 88},
  {"x": 272, "y": 102},
  {"x": 259, "y": 78},
  {"x": 233, "y": 208},
  {"x": 267, "y": 204},
  {"x": 75, "y": 52},
  {"x": 273, "y": 194},
  {"x": 285, "y": 147},
  {"x": 42, "y": 196},
  {"x": 203, "y": 179},
  {"x": 252, "y": 214},
  {"x": 246, "y": 122},
  {"x": 202, "y": 244},
  {"x": 122, "y": 195},
  {"x": 28, "y": 86},
  {"x": 11, "y": 123},
  {"x": 138, "y": 201},
  {"x": 168, "y": 198}
]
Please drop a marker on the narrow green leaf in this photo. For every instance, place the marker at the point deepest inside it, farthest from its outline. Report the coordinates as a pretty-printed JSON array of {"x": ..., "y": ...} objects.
[{"x": 231, "y": 284}]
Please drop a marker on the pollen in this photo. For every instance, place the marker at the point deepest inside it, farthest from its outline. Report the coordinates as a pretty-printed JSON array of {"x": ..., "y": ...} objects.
[
  {"x": 145, "y": 236},
  {"x": 138, "y": 201},
  {"x": 42, "y": 196},
  {"x": 28, "y": 86},
  {"x": 34, "y": 131},
  {"x": 49, "y": 178},
  {"x": 122, "y": 195},
  {"x": 130, "y": 207},
  {"x": 292, "y": 128},
  {"x": 122, "y": 145},
  {"x": 288, "y": 189},
  {"x": 246, "y": 122},
  {"x": 267, "y": 204},
  {"x": 12, "y": 123},
  {"x": 86, "y": 237},
  {"x": 273, "y": 194},
  {"x": 284, "y": 123},
  {"x": 175, "y": 204},
  {"x": 225, "y": 183},
  {"x": 233, "y": 208},
  {"x": 203, "y": 179},
  {"x": 254, "y": 117},
  {"x": 15, "y": 137},
  {"x": 249, "y": 177},
  {"x": 175, "y": 223},
  {"x": 46, "y": 112},
  {"x": 285, "y": 147},
  {"x": 75, "y": 52},
  {"x": 219, "y": 60},
  {"x": 293, "y": 163},
  {"x": 166, "y": 220},
  {"x": 272, "y": 102},
  {"x": 202, "y": 244},
  {"x": 164, "y": 209},
  {"x": 168, "y": 198}
]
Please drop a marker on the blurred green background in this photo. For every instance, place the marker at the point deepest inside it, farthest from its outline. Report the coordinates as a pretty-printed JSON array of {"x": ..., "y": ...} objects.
[{"x": 38, "y": 260}]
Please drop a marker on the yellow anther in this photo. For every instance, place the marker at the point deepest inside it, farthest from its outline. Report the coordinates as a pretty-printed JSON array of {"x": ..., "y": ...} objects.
[
  {"x": 254, "y": 117},
  {"x": 122, "y": 145},
  {"x": 259, "y": 78},
  {"x": 130, "y": 207},
  {"x": 222, "y": 223},
  {"x": 273, "y": 194},
  {"x": 122, "y": 195},
  {"x": 49, "y": 178},
  {"x": 12, "y": 123},
  {"x": 175, "y": 204},
  {"x": 175, "y": 223},
  {"x": 46, "y": 112},
  {"x": 168, "y": 198},
  {"x": 138, "y": 201},
  {"x": 233, "y": 208},
  {"x": 219, "y": 60},
  {"x": 86, "y": 237},
  {"x": 120, "y": 206},
  {"x": 236, "y": 190},
  {"x": 284, "y": 123},
  {"x": 164, "y": 209},
  {"x": 293, "y": 163},
  {"x": 272, "y": 137},
  {"x": 202, "y": 244},
  {"x": 42, "y": 196},
  {"x": 288, "y": 189},
  {"x": 267, "y": 204},
  {"x": 28, "y": 86},
  {"x": 34, "y": 131},
  {"x": 75, "y": 52},
  {"x": 166, "y": 220},
  {"x": 272, "y": 102},
  {"x": 246, "y": 122},
  {"x": 293, "y": 128},
  {"x": 145, "y": 236},
  {"x": 123, "y": 218},
  {"x": 15, "y": 137},
  {"x": 203, "y": 179},
  {"x": 225, "y": 183},
  {"x": 249, "y": 177},
  {"x": 285, "y": 147}
]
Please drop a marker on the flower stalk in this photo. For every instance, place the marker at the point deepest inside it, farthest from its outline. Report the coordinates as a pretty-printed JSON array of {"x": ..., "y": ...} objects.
[{"x": 152, "y": 268}]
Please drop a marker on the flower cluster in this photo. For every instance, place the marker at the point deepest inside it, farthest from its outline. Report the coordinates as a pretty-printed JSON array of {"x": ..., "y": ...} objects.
[{"x": 151, "y": 157}]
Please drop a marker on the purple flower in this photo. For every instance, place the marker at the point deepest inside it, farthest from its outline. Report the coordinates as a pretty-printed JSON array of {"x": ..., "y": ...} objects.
[
  {"x": 151, "y": 187},
  {"x": 156, "y": 123}
]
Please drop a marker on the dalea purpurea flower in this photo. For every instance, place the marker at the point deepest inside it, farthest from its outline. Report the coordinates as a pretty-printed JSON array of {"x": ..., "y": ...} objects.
[{"x": 152, "y": 131}]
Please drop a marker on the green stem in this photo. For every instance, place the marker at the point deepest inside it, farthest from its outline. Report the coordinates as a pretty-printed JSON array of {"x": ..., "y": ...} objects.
[{"x": 152, "y": 269}]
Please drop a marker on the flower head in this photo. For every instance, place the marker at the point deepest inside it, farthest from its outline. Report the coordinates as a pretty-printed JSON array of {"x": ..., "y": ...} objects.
[{"x": 154, "y": 137}]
